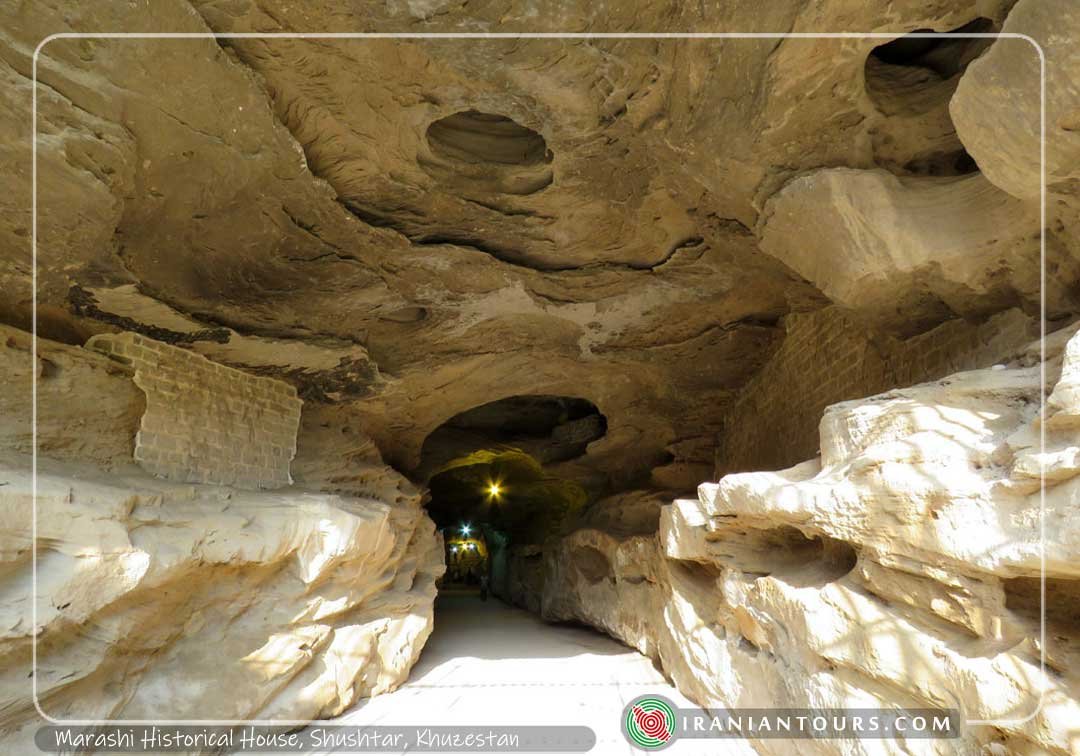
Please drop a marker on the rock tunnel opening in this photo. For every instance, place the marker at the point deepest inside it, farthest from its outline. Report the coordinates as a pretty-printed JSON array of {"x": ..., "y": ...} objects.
[
  {"x": 502, "y": 494},
  {"x": 945, "y": 56},
  {"x": 910, "y": 81},
  {"x": 502, "y": 478},
  {"x": 550, "y": 429}
]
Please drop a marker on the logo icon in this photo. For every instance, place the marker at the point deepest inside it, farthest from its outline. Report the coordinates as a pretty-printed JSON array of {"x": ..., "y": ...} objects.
[{"x": 649, "y": 722}]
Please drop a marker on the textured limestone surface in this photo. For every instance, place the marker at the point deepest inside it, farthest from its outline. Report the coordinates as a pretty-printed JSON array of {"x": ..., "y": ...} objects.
[
  {"x": 412, "y": 228},
  {"x": 900, "y": 568},
  {"x": 860, "y": 234},
  {"x": 100, "y": 429},
  {"x": 160, "y": 600}
]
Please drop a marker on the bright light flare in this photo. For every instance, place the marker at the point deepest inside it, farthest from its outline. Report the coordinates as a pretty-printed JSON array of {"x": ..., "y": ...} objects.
[{"x": 494, "y": 490}]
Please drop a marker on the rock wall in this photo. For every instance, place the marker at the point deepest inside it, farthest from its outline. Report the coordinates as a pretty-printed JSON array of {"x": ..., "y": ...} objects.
[
  {"x": 518, "y": 571},
  {"x": 158, "y": 599},
  {"x": 517, "y": 575},
  {"x": 206, "y": 422},
  {"x": 100, "y": 431},
  {"x": 901, "y": 568},
  {"x": 161, "y": 601},
  {"x": 830, "y": 356},
  {"x": 335, "y": 455}
]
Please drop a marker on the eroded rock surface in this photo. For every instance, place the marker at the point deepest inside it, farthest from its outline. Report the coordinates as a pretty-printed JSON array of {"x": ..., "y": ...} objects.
[
  {"x": 669, "y": 232},
  {"x": 901, "y": 568},
  {"x": 859, "y": 234},
  {"x": 406, "y": 228},
  {"x": 159, "y": 599},
  {"x": 196, "y": 602}
]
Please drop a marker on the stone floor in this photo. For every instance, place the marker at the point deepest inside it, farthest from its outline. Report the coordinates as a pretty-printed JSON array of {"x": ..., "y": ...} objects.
[{"x": 489, "y": 664}]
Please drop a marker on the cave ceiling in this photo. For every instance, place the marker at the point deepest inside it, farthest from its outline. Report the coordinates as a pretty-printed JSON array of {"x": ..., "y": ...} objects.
[{"x": 409, "y": 229}]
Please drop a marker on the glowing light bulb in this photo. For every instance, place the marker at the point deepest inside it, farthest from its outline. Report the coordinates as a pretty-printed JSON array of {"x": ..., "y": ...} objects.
[
  {"x": 494, "y": 489},
  {"x": 465, "y": 529}
]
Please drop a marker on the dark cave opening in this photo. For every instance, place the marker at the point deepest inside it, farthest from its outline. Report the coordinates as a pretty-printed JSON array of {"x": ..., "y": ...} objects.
[
  {"x": 550, "y": 429},
  {"x": 487, "y": 158},
  {"x": 954, "y": 163},
  {"x": 911, "y": 81},
  {"x": 944, "y": 55},
  {"x": 507, "y": 490},
  {"x": 475, "y": 137},
  {"x": 495, "y": 477}
]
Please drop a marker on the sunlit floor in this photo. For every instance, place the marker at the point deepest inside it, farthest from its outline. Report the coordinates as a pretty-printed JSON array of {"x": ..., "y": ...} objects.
[{"x": 489, "y": 664}]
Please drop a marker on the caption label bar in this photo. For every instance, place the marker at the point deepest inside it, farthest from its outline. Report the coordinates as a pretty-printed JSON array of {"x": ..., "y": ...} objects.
[{"x": 338, "y": 738}]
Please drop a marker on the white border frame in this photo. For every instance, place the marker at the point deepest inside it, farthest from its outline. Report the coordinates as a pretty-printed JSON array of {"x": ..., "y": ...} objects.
[{"x": 530, "y": 35}]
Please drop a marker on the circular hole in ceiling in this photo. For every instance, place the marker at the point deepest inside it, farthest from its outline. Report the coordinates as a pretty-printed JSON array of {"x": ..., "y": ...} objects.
[{"x": 475, "y": 137}]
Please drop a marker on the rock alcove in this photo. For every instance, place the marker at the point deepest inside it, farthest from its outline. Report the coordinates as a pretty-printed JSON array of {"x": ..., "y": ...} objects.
[{"x": 487, "y": 154}]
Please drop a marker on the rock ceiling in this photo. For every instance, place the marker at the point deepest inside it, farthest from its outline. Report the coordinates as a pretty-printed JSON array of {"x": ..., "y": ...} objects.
[{"x": 408, "y": 229}]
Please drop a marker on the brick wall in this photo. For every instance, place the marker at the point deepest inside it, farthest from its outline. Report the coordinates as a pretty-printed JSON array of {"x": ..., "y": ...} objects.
[
  {"x": 828, "y": 357},
  {"x": 205, "y": 422}
]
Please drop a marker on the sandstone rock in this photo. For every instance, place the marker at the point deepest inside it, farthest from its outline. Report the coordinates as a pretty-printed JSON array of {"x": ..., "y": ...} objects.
[
  {"x": 1063, "y": 404},
  {"x": 518, "y": 575},
  {"x": 101, "y": 432},
  {"x": 900, "y": 569},
  {"x": 881, "y": 244},
  {"x": 997, "y": 111},
  {"x": 381, "y": 222},
  {"x": 997, "y": 104},
  {"x": 159, "y": 600}
]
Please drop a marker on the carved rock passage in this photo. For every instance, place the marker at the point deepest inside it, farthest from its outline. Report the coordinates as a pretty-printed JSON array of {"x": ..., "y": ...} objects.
[
  {"x": 899, "y": 568},
  {"x": 409, "y": 230}
]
